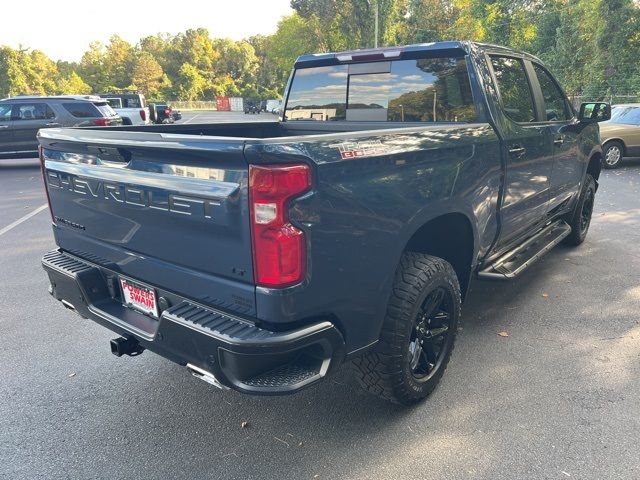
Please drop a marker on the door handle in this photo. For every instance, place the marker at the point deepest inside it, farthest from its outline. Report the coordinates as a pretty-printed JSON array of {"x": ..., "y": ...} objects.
[
  {"x": 558, "y": 141},
  {"x": 517, "y": 151},
  {"x": 52, "y": 124}
]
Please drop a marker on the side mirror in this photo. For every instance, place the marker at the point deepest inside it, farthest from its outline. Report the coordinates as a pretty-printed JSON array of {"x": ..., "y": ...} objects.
[{"x": 592, "y": 112}]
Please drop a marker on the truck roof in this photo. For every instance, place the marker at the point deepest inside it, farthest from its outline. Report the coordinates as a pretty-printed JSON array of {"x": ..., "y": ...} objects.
[{"x": 404, "y": 51}]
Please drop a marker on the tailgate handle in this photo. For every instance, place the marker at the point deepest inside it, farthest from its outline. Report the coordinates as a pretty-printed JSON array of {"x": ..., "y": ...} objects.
[{"x": 110, "y": 154}]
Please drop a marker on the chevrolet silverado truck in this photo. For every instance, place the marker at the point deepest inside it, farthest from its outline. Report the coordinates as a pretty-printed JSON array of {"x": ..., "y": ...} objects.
[{"x": 263, "y": 255}]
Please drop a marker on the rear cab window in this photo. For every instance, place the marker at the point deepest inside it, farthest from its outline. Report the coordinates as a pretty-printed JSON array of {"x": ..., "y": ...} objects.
[
  {"x": 114, "y": 102},
  {"x": 133, "y": 102},
  {"x": 416, "y": 90}
]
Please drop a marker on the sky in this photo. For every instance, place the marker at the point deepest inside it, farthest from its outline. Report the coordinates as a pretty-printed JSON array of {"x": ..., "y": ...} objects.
[{"x": 63, "y": 29}]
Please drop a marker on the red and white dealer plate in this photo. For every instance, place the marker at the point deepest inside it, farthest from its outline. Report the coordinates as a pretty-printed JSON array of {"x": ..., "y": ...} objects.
[{"x": 139, "y": 297}]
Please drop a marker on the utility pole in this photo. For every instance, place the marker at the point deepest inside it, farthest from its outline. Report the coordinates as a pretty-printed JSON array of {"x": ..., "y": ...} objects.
[{"x": 375, "y": 9}]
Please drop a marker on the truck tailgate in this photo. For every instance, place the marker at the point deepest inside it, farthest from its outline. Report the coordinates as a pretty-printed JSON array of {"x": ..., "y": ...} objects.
[{"x": 180, "y": 204}]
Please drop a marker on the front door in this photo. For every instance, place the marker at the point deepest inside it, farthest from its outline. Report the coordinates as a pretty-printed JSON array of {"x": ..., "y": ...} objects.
[
  {"x": 527, "y": 146},
  {"x": 568, "y": 168}
]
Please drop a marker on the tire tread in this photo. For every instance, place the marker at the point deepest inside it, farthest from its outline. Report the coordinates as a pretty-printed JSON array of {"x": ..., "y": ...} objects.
[{"x": 381, "y": 371}]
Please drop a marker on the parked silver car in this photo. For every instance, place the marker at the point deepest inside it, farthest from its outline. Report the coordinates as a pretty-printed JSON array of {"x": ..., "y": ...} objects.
[{"x": 22, "y": 117}]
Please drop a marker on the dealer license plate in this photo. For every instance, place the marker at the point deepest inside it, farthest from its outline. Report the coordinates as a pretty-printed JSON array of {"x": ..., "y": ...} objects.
[{"x": 139, "y": 297}]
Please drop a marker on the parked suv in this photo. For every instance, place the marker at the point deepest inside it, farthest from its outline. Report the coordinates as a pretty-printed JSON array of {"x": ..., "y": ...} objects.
[{"x": 22, "y": 117}]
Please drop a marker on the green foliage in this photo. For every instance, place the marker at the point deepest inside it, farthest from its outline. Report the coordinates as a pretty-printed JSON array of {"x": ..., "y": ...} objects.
[
  {"x": 190, "y": 83},
  {"x": 72, "y": 85},
  {"x": 592, "y": 46},
  {"x": 13, "y": 78},
  {"x": 148, "y": 76}
]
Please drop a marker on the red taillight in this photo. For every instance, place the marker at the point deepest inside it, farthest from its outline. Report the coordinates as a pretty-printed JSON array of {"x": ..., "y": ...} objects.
[
  {"x": 279, "y": 248},
  {"x": 143, "y": 115},
  {"x": 101, "y": 122},
  {"x": 44, "y": 179}
]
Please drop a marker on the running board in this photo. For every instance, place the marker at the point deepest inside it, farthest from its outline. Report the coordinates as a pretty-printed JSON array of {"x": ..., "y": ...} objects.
[{"x": 516, "y": 261}]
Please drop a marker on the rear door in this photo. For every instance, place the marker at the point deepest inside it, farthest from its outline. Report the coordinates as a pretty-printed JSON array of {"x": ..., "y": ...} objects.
[
  {"x": 6, "y": 134},
  {"x": 27, "y": 119},
  {"x": 527, "y": 149}
]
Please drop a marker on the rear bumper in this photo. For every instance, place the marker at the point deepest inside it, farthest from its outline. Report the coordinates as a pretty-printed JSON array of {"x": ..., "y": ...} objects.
[{"x": 238, "y": 353}]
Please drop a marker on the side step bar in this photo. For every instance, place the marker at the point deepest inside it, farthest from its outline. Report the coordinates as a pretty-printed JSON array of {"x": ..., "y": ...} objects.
[{"x": 516, "y": 261}]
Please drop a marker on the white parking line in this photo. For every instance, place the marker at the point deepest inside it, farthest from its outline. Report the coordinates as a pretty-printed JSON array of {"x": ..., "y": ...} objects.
[
  {"x": 192, "y": 118},
  {"x": 23, "y": 219}
]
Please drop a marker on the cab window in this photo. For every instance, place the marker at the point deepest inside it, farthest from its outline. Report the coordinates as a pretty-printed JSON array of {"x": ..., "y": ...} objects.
[
  {"x": 515, "y": 93},
  {"x": 416, "y": 90},
  {"x": 555, "y": 105}
]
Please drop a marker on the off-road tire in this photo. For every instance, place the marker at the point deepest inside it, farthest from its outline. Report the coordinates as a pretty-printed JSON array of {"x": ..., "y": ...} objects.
[
  {"x": 386, "y": 371},
  {"x": 582, "y": 213}
]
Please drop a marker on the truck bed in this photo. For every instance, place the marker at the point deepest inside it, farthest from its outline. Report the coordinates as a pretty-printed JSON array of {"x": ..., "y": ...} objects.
[{"x": 266, "y": 130}]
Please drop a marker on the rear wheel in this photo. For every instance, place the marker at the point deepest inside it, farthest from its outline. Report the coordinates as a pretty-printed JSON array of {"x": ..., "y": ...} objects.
[
  {"x": 581, "y": 217},
  {"x": 418, "y": 332},
  {"x": 612, "y": 155}
]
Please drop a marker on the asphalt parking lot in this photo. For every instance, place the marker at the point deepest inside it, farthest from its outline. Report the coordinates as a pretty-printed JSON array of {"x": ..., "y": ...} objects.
[{"x": 558, "y": 398}]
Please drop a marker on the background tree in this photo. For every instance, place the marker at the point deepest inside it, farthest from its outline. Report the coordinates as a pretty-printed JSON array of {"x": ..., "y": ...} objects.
[
  {"x": 119, "y": 60},
  {"x": 148, "y": 76},
  {"x": 94, "y": 69},
  {"x": 73, "y": 85},
  {"x": 191, "y": 85},
  {"x": 591, "y": 45},
  {"x": 13, "y": 80}
]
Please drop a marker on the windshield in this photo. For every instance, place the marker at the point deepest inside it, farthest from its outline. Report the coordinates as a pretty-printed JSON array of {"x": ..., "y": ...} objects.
[{"x": 422, "y": 90}]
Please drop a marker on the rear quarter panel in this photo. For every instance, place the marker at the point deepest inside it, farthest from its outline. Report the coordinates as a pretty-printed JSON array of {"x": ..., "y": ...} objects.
[{"x": 372, "y": 192}]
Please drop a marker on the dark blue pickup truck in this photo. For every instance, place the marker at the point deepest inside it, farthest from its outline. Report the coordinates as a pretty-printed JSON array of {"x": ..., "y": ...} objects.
[{"x": 263, "y": 255}]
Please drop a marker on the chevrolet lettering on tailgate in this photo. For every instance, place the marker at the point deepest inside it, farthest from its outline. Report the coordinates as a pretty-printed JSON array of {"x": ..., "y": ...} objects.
[{"x": 133, "y": 195}]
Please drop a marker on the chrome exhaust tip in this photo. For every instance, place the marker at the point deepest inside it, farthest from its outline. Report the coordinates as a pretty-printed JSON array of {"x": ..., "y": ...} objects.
[{"x": 205, "y": 376}]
